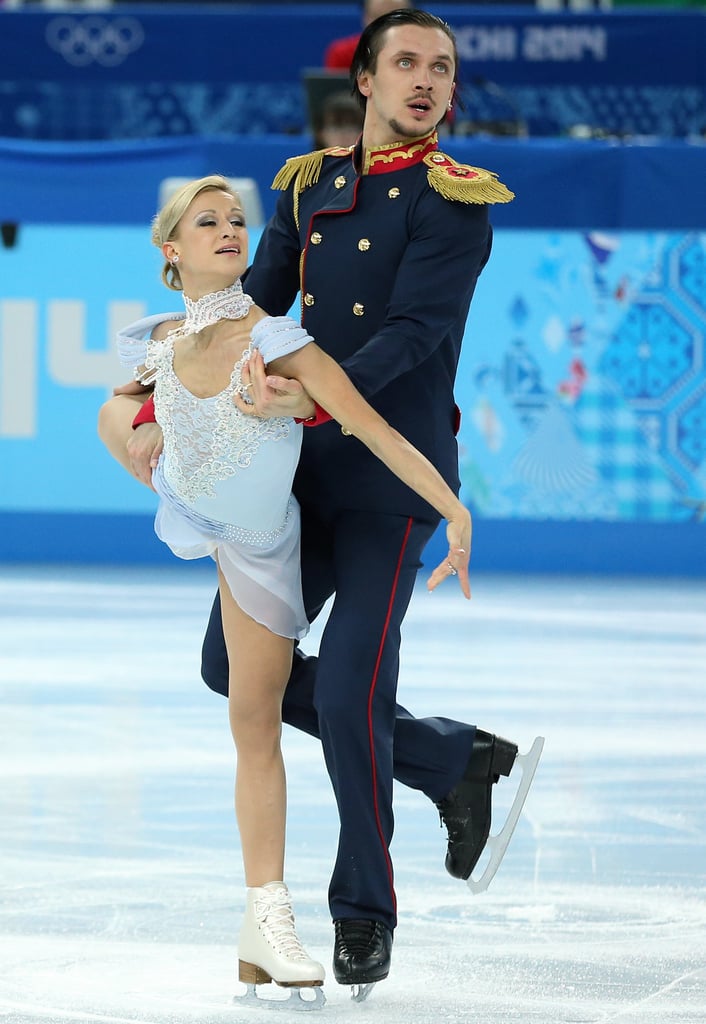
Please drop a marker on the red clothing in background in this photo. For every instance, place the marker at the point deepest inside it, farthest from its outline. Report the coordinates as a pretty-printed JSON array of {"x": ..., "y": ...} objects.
[{"x": 339, "y": 53}]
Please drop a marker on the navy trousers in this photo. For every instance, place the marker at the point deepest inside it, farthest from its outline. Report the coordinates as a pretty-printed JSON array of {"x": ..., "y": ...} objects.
[{"x": 347, "y": 695}]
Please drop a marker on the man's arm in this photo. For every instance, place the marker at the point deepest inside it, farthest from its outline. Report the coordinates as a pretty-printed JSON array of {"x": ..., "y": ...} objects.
[
  {"x": 273, "y": 278},
  {"x": 134, "y": 450}
]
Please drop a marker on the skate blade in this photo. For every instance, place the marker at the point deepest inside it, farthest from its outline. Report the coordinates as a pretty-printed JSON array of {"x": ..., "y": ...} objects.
[
  {"x": 297, "y": 998},
  {"x": 497, "y": 844},
  {"x": 359, "y": 993}
]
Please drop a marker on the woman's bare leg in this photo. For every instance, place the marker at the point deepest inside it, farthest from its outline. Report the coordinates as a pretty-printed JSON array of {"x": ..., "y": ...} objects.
[{"x": 260, "y": 663}]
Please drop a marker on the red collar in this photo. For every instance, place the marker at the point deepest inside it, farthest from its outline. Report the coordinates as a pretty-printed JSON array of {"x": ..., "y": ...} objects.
[{"x": 397, "y": 155}]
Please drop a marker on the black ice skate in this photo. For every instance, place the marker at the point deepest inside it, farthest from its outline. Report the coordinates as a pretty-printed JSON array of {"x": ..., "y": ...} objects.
[
  {"x": 361, "y": 955},
  {"x": 466, "y": 811}
]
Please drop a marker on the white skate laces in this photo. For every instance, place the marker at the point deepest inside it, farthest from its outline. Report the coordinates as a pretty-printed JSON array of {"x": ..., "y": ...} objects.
[
  {"x": 269, "y": 950},
  {"x": 275, "y": 917}
]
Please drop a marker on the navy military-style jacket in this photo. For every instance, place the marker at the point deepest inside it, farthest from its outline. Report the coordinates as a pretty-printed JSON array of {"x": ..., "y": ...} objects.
[{"x": 385, "y": 246}]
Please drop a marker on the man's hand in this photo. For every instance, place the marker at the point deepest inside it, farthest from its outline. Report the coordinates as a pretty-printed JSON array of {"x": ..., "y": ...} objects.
[
  {"x": 144, "y": 448},
  {"x": 272, "y": 396}
]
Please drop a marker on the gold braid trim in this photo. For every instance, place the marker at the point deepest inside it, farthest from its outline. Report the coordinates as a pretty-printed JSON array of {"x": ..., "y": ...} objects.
[
  {"x": 305, "y": 169},
  {"x": 463, "y": 183}
]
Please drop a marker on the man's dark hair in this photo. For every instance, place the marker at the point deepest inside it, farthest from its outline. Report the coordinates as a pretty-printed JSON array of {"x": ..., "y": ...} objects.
[{"x": 372, "y": 41}]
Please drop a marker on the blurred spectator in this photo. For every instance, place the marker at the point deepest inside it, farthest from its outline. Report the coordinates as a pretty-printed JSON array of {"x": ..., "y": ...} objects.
[
  {"x": 339, "y": 53},
  {"x": 339, "y": 123}
]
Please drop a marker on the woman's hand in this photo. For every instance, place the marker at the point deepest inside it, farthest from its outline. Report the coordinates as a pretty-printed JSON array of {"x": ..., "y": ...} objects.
[
  {"x": 271, "y": 396},
  {"x": 144, "y": 448},
  {"x": 458, "y": 534}
]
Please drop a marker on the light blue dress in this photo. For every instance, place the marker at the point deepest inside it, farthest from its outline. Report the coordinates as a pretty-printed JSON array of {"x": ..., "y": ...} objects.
[{"x": 225, "y": 480}]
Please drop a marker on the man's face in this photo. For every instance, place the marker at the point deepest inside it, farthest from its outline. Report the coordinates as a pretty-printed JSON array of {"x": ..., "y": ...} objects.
[{"x": 410, "y": 90}]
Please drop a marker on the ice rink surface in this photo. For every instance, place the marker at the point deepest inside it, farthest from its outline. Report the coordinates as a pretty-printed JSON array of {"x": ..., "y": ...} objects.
[{"x": 120, "y": 869}]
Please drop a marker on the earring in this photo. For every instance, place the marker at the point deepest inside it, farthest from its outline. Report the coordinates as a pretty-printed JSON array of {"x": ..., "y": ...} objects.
[
  {"x": 450, "y": 104},
  {"x": 175, "y": 259}
]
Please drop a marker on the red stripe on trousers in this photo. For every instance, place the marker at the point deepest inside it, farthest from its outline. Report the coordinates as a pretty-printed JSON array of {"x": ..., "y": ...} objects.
[{"x": 371, "y": 695}]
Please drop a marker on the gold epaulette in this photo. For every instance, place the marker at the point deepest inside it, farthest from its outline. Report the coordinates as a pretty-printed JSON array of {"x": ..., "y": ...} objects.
[
  {"x": 305, "y": 169},
  {"x": 463, "y": 183}
]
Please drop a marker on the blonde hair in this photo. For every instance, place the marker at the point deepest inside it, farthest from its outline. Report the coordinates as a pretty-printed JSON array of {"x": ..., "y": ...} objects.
[{"x": 166, "y": 222}]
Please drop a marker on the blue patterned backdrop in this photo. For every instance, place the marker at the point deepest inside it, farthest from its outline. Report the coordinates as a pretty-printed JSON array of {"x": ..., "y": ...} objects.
[
  {"x": 581, "y": 382},
  {"x": 582, "y": 388}
]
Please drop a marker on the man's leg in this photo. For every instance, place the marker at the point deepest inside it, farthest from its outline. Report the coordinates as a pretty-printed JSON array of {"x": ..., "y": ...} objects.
[
  {"x": 376, "y": 560},
  {"x": 429, "y": 754},
  {"x": 451, "y": 762}
]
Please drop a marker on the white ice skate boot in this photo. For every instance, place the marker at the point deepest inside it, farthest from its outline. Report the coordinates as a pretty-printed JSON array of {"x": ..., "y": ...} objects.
[{"x": 269, "y": 948}]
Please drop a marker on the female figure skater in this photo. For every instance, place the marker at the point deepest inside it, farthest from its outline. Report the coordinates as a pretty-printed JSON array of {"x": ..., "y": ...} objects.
[{"x": 224, "y": 480}]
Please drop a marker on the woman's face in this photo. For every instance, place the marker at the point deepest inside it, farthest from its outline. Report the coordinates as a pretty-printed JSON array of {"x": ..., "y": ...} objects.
[{"x": 211, "y": 241}]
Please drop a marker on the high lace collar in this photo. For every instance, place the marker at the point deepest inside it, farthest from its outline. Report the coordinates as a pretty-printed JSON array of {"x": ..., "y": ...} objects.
[{"x": 229, "y": 304}]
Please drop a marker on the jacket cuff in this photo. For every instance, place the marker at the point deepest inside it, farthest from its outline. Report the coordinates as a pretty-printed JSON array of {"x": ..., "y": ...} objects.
[
  {"x": 320, "y": 416},
  {"x": 146, "y": 413}
]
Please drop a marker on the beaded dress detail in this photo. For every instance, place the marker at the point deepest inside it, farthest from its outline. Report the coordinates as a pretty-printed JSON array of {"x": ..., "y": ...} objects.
[
  {"x": 219, "y": 440},
  {"x": 224, "y": 479}
]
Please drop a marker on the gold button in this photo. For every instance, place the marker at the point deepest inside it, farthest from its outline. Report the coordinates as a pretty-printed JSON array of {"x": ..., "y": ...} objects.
[
  {"x": 346, "y": 433},
  {"x": 359, "y": 309},
  {"x": 393, "y": 193},
  {"x": 339, "y": 182},
  {"x": 438, "y": 158},
  {"x": 364, "y": 244},
  {"x": 316, "y": 238},
  {"x": 309, "y": 299}
]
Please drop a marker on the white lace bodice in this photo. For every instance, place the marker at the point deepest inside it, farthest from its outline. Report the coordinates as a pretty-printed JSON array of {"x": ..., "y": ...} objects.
[
  {"x": 209, "y": 443},
  {"x": 225, "y": 480},
  {"x": 206, "y": 440}
]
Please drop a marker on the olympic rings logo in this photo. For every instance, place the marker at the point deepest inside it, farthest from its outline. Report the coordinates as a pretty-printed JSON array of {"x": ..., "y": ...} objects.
[{"x": 83, "y": 41}]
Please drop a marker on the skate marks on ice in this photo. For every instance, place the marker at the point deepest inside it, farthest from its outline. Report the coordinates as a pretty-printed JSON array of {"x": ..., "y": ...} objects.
[
  {"x": 559, "y": 955},
  {"x": 120, "y": 883},
  {"x": 505, "y": 980}
]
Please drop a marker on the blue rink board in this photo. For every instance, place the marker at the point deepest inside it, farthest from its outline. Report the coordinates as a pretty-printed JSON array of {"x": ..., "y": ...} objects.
[{"x": 538, "y": 546}]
